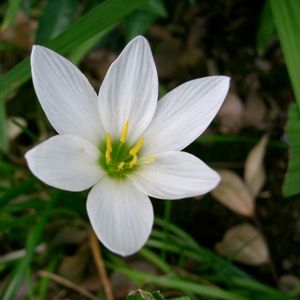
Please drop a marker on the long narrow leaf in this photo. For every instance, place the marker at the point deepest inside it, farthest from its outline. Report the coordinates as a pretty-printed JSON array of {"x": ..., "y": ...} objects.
[
  {"x": 56, "y": 17},
  {"x": 31, "y": 243},
  {"x": 291, "y": 184},
  {"x": 10, "y": 13},
  {"x": 178, "y": 284},
  {"x": 287, "y": 21},
  {"x": 3, "y": 135},
  {"x": 286, "y": 17},
  {"x": 98, "y": 19}
]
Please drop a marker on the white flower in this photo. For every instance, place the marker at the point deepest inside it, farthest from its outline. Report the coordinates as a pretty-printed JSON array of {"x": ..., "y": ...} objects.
[{"x": 123, "y": 143}]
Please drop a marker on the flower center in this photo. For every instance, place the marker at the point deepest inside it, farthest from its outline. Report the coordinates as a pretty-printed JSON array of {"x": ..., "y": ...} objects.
[{"x": 118, "y": 158}]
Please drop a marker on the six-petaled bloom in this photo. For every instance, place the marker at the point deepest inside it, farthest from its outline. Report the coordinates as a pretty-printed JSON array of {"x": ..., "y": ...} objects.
[{"x": 123, "y": 143}]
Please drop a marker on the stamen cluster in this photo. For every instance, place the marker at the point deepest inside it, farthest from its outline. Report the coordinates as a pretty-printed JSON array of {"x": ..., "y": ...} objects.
[{"x": 119, "y": 158}]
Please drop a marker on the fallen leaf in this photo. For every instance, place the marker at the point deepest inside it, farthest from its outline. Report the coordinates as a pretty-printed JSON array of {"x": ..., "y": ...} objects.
[
  {"x": 72, "y": 267},
  {"x": 231, "y": 114},
  {"x": 288, "y": 282},
  {"x": 233, "y": 193},
  {"x": 22, "y": 33},
  {"x": 243, "y": 243},
  {"x": 255, "y": 112},
  {"x": 255, "y": 175},
  {"x": 70, "y": 235}
]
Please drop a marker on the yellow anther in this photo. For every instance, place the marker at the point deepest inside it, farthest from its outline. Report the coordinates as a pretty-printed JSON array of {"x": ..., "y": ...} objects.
[
  {"x": 124, "y": 133},
  {"x": 108, "y": 142},
  {"x": 121, "y": 165},
  {"x": 133, "y": 151},
  {"x": 133, "y": 162},
  {"x": 108, "y": 148}
]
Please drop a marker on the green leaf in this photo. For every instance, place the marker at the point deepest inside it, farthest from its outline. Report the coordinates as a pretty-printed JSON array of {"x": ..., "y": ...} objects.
[
  {"x": 291, "y": 184},
  {"x": 77, "y": 55},
  {"x": 45, "y": 281},
  {"x": 287, "y": 21},
  {"x": 179, "y": 284},
  {"x": 143, "y": 295},
  {"x": 31, "y": 243},
  {"x": 139, "y": 21},
  {"x": 10, "y": 14},
  {"x": 157, "y": 8},
  {"x": 17, "y": 190},
  {"x": 3, "y": 135},
  {"x": 101, "y": 17},
  {"x": 56, "y": 17},
  {"x": 156, "y": 260},
  {"x": 27, "y": 5},
  {"x": 266, "y": 30}
]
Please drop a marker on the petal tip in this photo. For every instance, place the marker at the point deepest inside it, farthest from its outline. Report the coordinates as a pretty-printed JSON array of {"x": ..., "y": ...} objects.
[
  {"x": 140, "y": 42},
  {"x": 28, "y": 155},
  {"x": 139, "y": 38},
  {"x": 217, "y": 178},
  {"x": 36, "y": 49}
]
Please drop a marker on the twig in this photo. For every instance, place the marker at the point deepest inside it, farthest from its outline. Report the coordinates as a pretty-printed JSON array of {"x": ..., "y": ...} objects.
[
  {"x": 20, "y": 253},
  {"x": 96, "y": 251},
  {"x": 67, "y": 283}
]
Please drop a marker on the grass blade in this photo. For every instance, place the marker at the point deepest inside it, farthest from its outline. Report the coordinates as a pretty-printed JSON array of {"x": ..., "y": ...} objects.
[
  {"x": 3, "y": 135},
  {"x": 11, "y": 13},
  {"x": 291, "y": 183},
  {"x": 31, "y": 243},
  {"x": 287, "y": 22},
  {"x": 98, "y": 19},
  {"x": 285, "y": 14},
  {"x": 56, "y": 17}
]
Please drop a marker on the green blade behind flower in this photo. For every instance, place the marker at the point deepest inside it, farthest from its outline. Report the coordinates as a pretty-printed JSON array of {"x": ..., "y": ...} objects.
[
  {"x": 285, "y": 14},
  {"x": 291, "y": 184},
  {"x": 98, "y": 19}
]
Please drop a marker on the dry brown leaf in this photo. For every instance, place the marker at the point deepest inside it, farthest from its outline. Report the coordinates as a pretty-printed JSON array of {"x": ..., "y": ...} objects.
[
  {"x": 244, "y": 244},
  {"x": 72, "y": 267},
  {"x": 231, "y": 114},
  {"x": 70, "y": 235},
  {"x": 288, "y": 282},
  {"x": 255, "y": 175},
  {"x": 233, "y": 193},
  {"x": 255, "y": 111},
  {"x": 22, "y": 33}
]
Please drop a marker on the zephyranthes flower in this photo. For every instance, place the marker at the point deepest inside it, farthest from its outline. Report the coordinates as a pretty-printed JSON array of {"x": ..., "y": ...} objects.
[{"x": 123, "y": 143}]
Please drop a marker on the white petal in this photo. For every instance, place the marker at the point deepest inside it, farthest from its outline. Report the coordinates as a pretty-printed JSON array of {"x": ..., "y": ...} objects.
[
  {"x": 184, "y": 113},
  {"x": 121, "y": 216},
  {"x": 66, "y": 162},
  {"x": 175, "y": 175},
  {"x": 69, "y": 101},
  {"x": 129, "y": 91}
]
